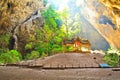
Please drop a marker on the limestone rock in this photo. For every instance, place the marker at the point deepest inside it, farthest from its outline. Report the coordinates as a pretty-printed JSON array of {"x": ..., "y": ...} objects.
[
  {"x": 20, "y": 18},
  {"x": 16, "y": 12},
  {"x": 105, "y": 17}
]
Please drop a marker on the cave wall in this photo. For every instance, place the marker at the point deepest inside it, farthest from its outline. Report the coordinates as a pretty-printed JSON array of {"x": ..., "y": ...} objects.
[
  {"x": 20, "y": 18},
  {"x": 104, "y": 15},
  {"x": 15, "y": 12},
  {"x": 114, "y": 7}
]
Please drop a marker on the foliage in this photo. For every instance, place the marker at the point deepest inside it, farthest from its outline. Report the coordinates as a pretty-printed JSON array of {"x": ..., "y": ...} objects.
[
  {"x": 113, "y": 51},
  {"x": 29, "y": 46},
  {"x": 57, "y": 48},
  {"x": 4, "y": 40},
  {"x": 41, "y": 47},
  {"x": 112, "y": 57},
  {"x": 50, "y": 34},
  {"x": 43, "y": 55},
  {"x": 10, "y": 56},
  {"x": 40, "y": 34},
  {"x": 51, "y": 17},
  {"x": 48, "y": 44},
  {"x": 6, "y": 58},
  {"x": 65, "y": 14},
  {"x": 71, "y": 23},
  {"x": 15, "y": 54},
  {"x": 33, "y": 55}
]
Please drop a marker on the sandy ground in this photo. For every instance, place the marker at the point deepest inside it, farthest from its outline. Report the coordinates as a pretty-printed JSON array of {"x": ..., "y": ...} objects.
[{"x": 17, "y": 73}]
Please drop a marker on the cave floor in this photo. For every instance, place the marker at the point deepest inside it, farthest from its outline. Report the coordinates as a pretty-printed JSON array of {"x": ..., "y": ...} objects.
[{"x": 18, "y": 73}]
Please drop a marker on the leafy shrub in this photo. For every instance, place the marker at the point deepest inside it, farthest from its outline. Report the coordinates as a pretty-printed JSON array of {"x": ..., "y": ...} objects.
[
  {"x": 43, "y": 55},
  {"x": 15, "y": 55},
  {"x": 57, "y": 48},
  {"x": 41, "y": 47},
  {"x": 11, "y": 56},
  {"x": 112, "y": 57},
  {"x": 33, "y": 55},
  {"x": 29, "y": 46},
  {"x": 5, "y": 58}
]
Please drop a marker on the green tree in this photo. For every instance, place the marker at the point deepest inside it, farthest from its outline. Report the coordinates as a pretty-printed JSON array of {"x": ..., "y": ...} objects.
[
  {"x": 65, "y": 18},
  {"x": 51, "y": 17},
  {"x": 52, "y": 32}
]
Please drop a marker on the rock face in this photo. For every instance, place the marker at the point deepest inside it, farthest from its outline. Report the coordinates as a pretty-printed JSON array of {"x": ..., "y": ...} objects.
[
  {"x": 105, "y": 18},
  {"x": 98, "y": 42},
  {"x": 20, "y": 18},
  {"x": 114, "y": 6},
  {"x": 16, "y": 12}
]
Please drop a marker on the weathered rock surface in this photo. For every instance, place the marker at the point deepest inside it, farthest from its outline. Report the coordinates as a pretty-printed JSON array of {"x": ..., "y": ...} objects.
[
  {"x": 16, "y": 12},
  {"x": 114, "y": 6},
  {"x": 98, "y": 42},
  {"x": 20, "y": 18},
  {"x": 105, "y": 19},
  {"x": 112, "y": 36}
]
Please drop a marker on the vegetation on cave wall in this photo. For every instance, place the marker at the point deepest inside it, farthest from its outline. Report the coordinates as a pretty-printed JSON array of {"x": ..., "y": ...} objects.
[{"x": 48, "y": 39}]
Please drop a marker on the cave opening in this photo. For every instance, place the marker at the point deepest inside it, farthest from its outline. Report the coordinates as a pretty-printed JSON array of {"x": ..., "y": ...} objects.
[
  {"x": 12, "y": 43},
  {"x": 9, "y": 5}
]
